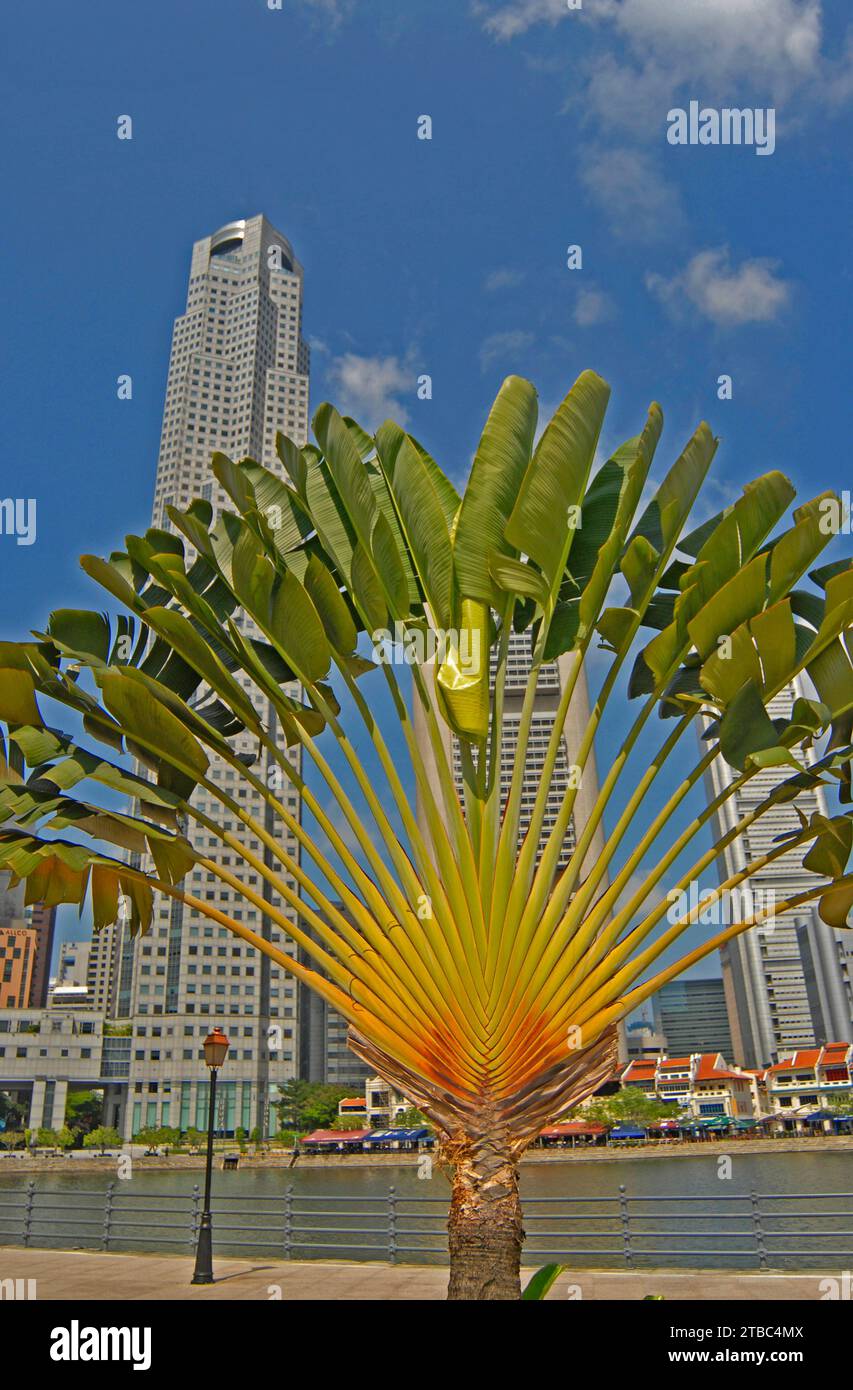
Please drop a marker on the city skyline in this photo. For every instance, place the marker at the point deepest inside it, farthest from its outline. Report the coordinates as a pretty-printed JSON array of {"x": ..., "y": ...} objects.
[{"x": 764, "y": 978}]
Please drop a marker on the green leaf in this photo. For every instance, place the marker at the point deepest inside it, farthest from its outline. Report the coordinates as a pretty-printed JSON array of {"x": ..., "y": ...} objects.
[
  {"x": 493, "y": 486},
  {"x": 367, "y": 590},
  {"x": 542, "y": 1281},
  {"x": 746, "y": 727},
  {"x": 353, "y": 485},
  {"x": 463, "y": 677},
  {"x": 834, "y": 907},
  {"x": 422, "y": 517},
  {"x": 514, "y": 577},
  {"x": 665, "y": 515},
  {"x": 830, "y": 852},
  {"x": 174, "y": 628},
  {"x": 147, "y": 722},
  {"x": 616, "y": 626},
  {"x": 331, "y": 606},
  {"x": 18, "y": 697},
  {"x": 555, "y": 479},
  {"x": 297, "y": 630},
  {"x": 80, "y": 630},
  {"x": 732, "y": 604},
  {"x": 294, "y": 462}
]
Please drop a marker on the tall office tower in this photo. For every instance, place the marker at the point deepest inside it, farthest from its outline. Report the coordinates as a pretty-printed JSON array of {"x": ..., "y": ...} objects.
[
  {"x": 324, "y": 1055},
  {"x": 691, "y": 1016},
  {"x": 17, "y": 957},
  {"x": 763, "y": 969},
  {"x": 238, "y": 373},
  {"x": 43, "y": 922},
  {"x": 553, "y": 676},
  {"x": 103, "y": 971},
  {"x": 72, "y": 963},
  {"x": 827, "y": 958},
  {"x": 12, "y": 910}
]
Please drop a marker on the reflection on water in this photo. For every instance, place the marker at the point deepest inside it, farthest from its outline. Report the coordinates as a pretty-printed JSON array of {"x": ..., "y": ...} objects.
[{"x": 572, "y": 1208}]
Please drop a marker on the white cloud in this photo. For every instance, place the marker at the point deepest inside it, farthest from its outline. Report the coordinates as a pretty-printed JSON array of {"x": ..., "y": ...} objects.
[
  {"x": 727, "y": 295},
  {"x": 502, "y": 345},
  {"x": 627, "y": 185},
  {"x": 700, "y": 48},
  {"x": 508, "y": 21},
  {"x": 774, "y": 41},
  {"x": 503, "y": 279},
  {"x": 771, "y": 48},
  {"x": 593, "y": 306},
  {"x": 369, "y": 388},
  {"x": 336, "y": 11}
]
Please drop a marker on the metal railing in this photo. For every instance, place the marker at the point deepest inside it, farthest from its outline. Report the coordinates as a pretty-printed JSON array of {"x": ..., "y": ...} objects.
[{"x": 761, "y": 1230}]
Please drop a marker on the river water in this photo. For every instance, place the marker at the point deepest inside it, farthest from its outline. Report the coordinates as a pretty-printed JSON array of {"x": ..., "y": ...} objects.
[{"x": 695, "y": 1210}]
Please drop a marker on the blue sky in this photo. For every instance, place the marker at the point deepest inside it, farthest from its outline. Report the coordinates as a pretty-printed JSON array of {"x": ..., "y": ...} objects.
[{"x": 445, "y": 256}]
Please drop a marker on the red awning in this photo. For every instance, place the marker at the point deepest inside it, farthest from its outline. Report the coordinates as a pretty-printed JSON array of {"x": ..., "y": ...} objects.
[
  {"x": 576, "y": 1127},
  {"x": 336, "y": 1136}
]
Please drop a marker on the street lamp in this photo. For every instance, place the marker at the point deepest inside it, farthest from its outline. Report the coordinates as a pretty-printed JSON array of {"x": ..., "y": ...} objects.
[{"x": 215, "y": 1048}]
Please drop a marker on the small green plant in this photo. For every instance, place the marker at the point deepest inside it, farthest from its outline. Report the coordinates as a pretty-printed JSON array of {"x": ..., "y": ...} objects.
[{"x": 541, "y": 1282}]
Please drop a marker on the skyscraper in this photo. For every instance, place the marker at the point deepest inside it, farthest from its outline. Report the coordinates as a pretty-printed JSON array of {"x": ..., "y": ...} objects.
[
  {"x": 551, "y": 682},
  {"x": 691, "y": 1016},
  {"x": 764, "y": 972},
  {"x": 238, "y": 372},
  {"x": 43, "y": 922}
]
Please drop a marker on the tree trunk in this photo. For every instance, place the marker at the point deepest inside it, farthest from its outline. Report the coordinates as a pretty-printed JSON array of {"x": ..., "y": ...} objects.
[
  {"x": 485, "y": 1225},
  {"x": 483, "y": 1138}
]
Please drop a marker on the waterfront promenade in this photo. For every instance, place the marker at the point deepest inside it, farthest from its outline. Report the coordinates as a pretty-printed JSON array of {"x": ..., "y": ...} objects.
[
  {"x": 85, "y": 1160},
  {"x": 89, "y": 1276}
]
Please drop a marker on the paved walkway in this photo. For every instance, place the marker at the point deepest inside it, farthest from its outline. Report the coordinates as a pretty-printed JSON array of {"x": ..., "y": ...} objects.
[{"x": 84, "y": 1275}]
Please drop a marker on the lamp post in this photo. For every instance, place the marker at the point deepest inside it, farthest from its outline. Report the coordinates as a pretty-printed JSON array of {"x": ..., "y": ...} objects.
[{"x": 215, "y": 1048}]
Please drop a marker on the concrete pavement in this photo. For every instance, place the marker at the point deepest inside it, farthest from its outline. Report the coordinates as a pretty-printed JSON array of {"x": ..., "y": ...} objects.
[{"x": 85, "y": 1275}]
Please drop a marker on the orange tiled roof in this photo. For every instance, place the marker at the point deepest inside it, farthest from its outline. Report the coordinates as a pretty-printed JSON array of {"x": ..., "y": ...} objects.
[
  {"x": 642, "y": 1071},
  {"x": 806, "y": 1057}
]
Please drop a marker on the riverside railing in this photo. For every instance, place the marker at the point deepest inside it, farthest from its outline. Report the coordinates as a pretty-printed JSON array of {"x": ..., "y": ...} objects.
[{"x": 761, "y": 1230}]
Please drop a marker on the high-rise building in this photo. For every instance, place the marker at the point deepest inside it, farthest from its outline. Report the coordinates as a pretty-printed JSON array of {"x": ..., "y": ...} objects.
[
  {"x": 12, "y": 910},
  {"x": 17, "y": 958},
  {"x": 827, "y": 958},
  {"x": 72, "y": 963},
  {"x": 691, "y": 1016},
  {"x": 764, "y": 973},
  {"x": 43, "y": 922},
  {"x": 550, "y": 685},
  {"x": 238, "y": 372},
  {"x": 324, "y": 1055},
  {"x": 24, "y": 964}
]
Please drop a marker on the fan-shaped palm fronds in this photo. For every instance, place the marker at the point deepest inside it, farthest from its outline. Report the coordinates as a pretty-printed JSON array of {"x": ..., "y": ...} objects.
[{"x": 477, "y": 974}]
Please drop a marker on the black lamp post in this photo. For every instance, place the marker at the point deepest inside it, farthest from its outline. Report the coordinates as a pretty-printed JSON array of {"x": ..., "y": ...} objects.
[{"x": 215, "y": 1048}]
